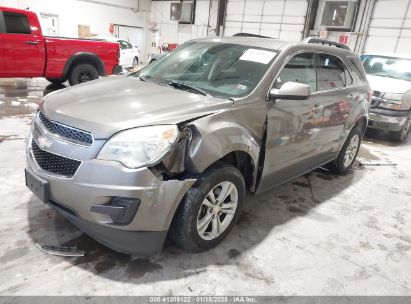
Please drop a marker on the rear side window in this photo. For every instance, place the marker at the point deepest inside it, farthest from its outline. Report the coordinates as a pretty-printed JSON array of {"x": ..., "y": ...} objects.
[
  {"x": 16, "y": 23},
  {"x": 300, "y": 68},
  {"x": 332, "y": 73},
  {"x": 125, "y": 45}
]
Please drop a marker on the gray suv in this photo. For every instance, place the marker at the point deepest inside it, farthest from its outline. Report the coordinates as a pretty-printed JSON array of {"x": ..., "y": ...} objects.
[{"x": 172, "y": 149}]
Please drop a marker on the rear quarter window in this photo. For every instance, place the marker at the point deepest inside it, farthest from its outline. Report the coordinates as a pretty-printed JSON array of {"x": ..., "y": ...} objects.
[{"x": 332, "y": 73}]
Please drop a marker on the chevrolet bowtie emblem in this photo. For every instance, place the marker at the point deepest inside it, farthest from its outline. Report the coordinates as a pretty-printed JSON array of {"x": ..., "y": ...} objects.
[{"x": 44, "y": 142}]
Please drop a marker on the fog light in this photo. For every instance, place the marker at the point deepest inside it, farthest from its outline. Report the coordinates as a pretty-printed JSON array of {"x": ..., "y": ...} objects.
[{"x": 121, "y": 210}]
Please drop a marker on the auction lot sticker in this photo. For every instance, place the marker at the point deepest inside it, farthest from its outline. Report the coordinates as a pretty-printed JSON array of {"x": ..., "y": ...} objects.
[{"x": 260, "y": 56}]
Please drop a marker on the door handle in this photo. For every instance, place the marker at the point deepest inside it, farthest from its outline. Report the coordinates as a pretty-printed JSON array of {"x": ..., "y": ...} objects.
[
  {"x": 32, "y": 42},
  {"x": 318, "y": 108}
]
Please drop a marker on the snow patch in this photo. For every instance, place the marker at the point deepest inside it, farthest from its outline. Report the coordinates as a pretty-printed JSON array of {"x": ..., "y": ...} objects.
[
  {"x": 31, "y": 105},
  {"x": 15, "y": 103}
]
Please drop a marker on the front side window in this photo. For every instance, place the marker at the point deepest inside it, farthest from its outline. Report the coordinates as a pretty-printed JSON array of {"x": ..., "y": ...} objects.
[
  {"x": 16, "y": 23},
  {"x": 300, "y": 68},
  {"x": 220, "y": 69},
  {"x": 390, "y": 67},
  {"x": 332, "y": 73}
]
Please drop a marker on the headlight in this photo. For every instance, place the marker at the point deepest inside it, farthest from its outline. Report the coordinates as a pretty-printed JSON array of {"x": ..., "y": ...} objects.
[
  {"x": 391, "y": 101},
  {"x": 139, "y": 147}
]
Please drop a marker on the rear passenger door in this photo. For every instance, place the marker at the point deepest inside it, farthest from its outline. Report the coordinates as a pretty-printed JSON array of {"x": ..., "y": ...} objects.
[
  {"x": 333, "y": 98},
  {"x": 292, "y": 125}
]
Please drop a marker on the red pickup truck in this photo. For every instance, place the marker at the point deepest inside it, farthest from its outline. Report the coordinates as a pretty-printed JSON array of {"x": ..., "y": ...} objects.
[{"x": 25, "y": 52}]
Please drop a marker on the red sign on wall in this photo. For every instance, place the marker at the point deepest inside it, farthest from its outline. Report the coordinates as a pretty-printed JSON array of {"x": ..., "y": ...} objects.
[{"x": 343, "y": 39}]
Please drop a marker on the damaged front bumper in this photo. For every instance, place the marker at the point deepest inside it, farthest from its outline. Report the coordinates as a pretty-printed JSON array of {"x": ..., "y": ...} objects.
[{"x": 128, "y": 210}]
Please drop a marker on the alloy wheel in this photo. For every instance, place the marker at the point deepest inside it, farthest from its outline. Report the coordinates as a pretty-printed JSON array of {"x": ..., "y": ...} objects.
[
  {"x": 351, "y": 150},
  {"x": 217, "y": 210},
  {"x": 85, "y": 76}
]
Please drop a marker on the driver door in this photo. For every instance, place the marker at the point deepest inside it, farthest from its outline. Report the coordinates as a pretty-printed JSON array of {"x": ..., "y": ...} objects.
[{"x": 292, "y": 126}]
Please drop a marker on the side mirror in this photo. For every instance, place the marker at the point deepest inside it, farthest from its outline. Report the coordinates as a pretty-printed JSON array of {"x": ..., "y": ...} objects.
[{"x": 290, "y": 90}]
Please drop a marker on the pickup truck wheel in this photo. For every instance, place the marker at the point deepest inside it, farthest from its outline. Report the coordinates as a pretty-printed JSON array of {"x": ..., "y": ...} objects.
[
  {"x": 403, "y": 133},
  {"x": 348, "y": 153},
  {"x": 82, "y": 73},
  {"x": 56, "y": 81},
  {"x": 209, "y": 209}
]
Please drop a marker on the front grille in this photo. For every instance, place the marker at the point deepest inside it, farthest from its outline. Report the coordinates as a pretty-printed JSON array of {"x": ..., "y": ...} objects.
[
  {"x": 69, "y": 133},
  {"x": 54, "y": 163}
]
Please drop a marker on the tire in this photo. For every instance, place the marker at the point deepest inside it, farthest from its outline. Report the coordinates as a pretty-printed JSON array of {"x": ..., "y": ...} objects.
[
  {"x": 403, "y": 133},
  {"x": 341, "y": 165},
  {"x": 82, "y": 72},
  {"x": 135, "y": 63},
  {"x": 186, "y": 230},
  {"x": 56, "y": 81}
]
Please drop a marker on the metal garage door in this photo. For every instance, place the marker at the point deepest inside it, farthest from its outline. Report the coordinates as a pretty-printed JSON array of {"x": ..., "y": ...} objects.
[
  {"x": 282, "y": 19},
  {"x": 390, "y": 27}
]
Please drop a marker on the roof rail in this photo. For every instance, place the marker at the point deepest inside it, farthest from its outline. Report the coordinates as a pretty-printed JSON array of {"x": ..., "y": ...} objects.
[
  {"x": 326, "y": 42},
  {"x": 250, "y": 35}
]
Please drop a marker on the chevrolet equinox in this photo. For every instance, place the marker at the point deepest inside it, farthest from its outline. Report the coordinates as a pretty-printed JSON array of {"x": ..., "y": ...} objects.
[{"x": 172, "y": 149}]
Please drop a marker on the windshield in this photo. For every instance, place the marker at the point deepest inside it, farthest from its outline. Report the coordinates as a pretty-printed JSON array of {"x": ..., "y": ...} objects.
[
  {"x": 397, "y": 68},
  {"x": 219, "y": 69}
]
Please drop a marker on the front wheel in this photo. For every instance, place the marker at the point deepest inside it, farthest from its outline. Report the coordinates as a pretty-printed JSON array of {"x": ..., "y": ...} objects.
[
  {"x": 348, "y": 153},
  {"x": 209, "y": 210},
  {"x": 82, "y": 73}
]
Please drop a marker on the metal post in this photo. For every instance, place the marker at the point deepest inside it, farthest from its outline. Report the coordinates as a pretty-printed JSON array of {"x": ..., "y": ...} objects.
[{"x": 220, "y": 17}]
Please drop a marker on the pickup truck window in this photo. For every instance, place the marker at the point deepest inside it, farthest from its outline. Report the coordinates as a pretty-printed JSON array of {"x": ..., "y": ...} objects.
[
  {"x": 16, "y": 23},
  {"x": 300, "y": 68}
]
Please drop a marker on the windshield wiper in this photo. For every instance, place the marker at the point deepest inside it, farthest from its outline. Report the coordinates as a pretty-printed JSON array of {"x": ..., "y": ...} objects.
[{"x": 187, "y": 87}]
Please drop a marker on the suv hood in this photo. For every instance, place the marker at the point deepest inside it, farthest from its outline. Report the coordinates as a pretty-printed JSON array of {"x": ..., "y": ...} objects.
[
  {"x": 388, "y": 85},
  {"x": 104, "y": 107}
]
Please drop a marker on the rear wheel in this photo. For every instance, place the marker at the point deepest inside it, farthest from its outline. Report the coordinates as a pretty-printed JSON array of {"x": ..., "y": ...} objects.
[
  {"x": 209, "y": 210},
  {"x": 348, "y": 153},
  {"x": 403, "y": 133},
  {"x": 56, "y": 81},
  {"x": 82, "y": 73}
]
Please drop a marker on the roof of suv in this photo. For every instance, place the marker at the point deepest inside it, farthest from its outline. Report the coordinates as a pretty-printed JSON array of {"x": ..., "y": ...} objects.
[{"x": 275, "y": 44}]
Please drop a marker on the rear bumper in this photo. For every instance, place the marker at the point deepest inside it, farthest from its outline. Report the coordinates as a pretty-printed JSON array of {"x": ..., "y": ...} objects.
[
  {"x": 387, "y": 120},
  {"x": 117, "y": 69}
]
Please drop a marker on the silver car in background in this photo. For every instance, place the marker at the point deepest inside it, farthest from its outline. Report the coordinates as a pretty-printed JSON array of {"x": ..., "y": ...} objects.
[
  {"x": 172, "y": 149},
  {"x": 390, "y": 78}
]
